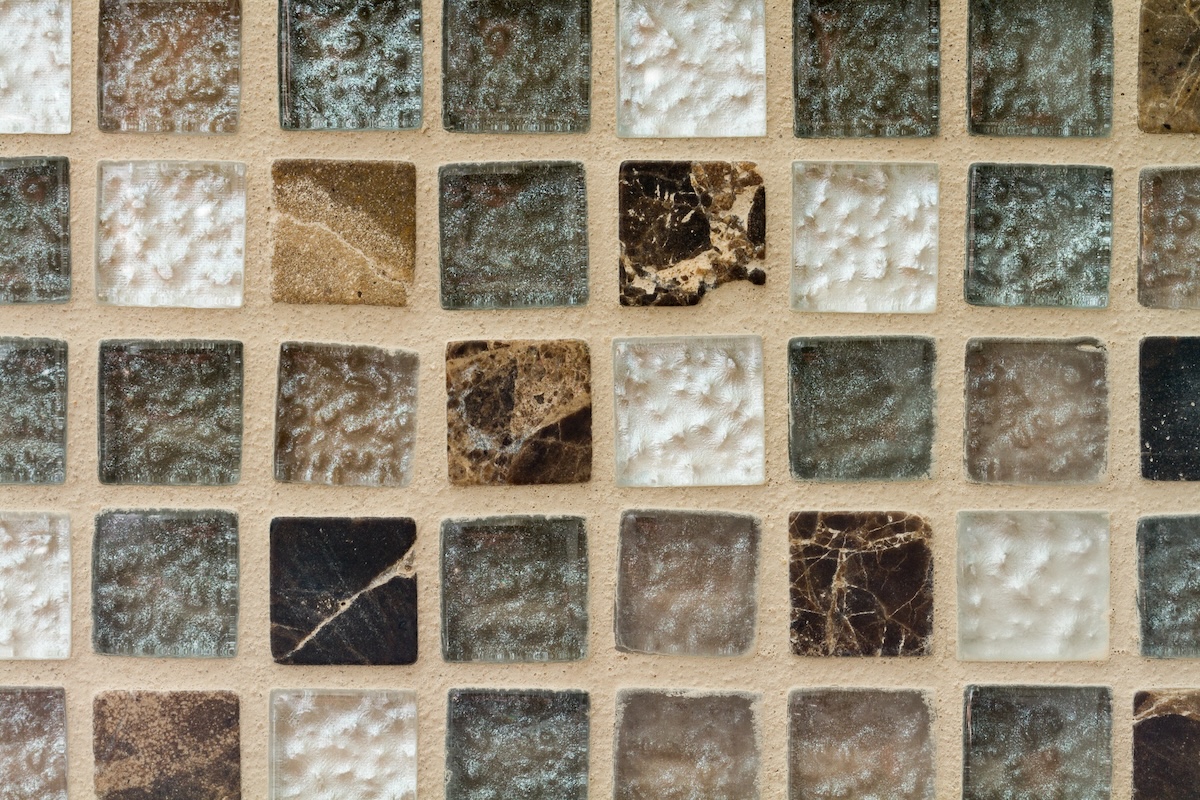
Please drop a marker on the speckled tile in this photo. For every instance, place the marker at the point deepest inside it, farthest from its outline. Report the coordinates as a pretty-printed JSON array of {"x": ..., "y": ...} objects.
[
  {"x": 35, "y": 571},
  {"x": 35, "y": 230},
  {"x": 1169, "y": 586},
  {"x": 1166, "y": 744},
  {"x": 33, "y": 743},
  {"x": 1168, "y": 47},
  {"x": 1169, "y": 370},
  {"x": 33, "y": 392},
  {"x": 36, "y": 64},
  {"x": 1169, "y": 257}
]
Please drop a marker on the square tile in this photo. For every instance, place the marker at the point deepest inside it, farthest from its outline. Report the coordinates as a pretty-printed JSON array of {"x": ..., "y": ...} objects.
[
  {"x": 861, "y": 583},
  {"x": 36, "y": 65},
  {"x": 864, "y": 237},
  {"x": 687, "y": 583},
  {"x": 513, "y": 234},
  {"x": 1169, "y": 370},
  {"x": 35, "y": 571},
  {"x": 861, "y": 408},
  {"x": 33, "y": 392},
  {"x": 350, "y": 64},
  {"x": 1166, "y": 744},
  {"x": 514, "y": 589},
  {"x": 170, "y": 412},
  {"x": 35, "y": 230},
  {"x": 687, "y": 227},
  {"x": 345, "y": 415},
  {"x": 519, "y": 412},
  {"x": 170, "y": 233},
  {"x": 1039, "y": 235},
  {"x": 343, "y": 590},
  {"x": 1033, "y": 585},
  {"x": 165, "y": 583},
  {"x": 1169, "y": 586},
  {"x": 170, "y": 67},
  {"x": 1169, "y": 258},
  {"x": 33, "y": 743},
  {"x": 343, "y": 232},
  {"x": 1167, "y": 49},
  {"x": 1037, "y": 410},
  {"x": 689, "y": 411}
]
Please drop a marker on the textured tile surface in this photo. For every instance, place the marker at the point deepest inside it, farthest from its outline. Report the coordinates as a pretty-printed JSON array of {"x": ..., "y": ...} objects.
[
  {"x": 35, "y": 93},
  {"x": 35, "y": 229},
  {"x": 864, "y": 237},
  {"x": 1166, "y": 744},
  {"x": 344, "y": 232},
  {"x": 170, "y": 233},
  {"x": 687, "y": 227},
  {"x": 33, "y": 392},
  {"x": 1167, "y": 67},
  {"x": 1169, "y": 586},
  {"x": 514, "y": 589},
  {"x": 165, "y": 583},
  {"x": 689, "y": 411},
  {"x": 1170, "y": 420},
  {"x": 1033, "y": 585},
  {"x": 345, "y": 415},
  {"x": 35, "y": 571},
  {"x": 33, "y": 743},
  {"x": 519, "y": 412},
  {"x": 170, "y": 412},
  {"x": 513, "y": 235},
  {"x": 343, "y": 591},
  {"x": 861, "y": 408},
  {"x": 687, "y": 583},
  {"x": 1169, "y": 258}
]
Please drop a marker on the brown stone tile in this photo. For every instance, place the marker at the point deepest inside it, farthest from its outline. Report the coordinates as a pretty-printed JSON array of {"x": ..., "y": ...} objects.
[
  {"x": 1166, "y": 744},
  {"x": 33, "y": 743},
  {"x": 1168, "y": 68}
]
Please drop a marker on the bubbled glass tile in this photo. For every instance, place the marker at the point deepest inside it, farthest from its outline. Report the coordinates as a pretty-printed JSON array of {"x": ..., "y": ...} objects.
[
  {"x": 1166, "y": 744},
  {"x": 33, "y": 743},
  {"x": 1169, "y": 369},
  {"x": 1169, "y": 586},
  {"x": 35, "y": 65},
  {"x": 1167, "y": 62},
  {"x": 33, "y": 394},
  {"x": 35, "y": 573},
  {"x": 1169, "y": 258},
  {"x": 35, "y": 229}
]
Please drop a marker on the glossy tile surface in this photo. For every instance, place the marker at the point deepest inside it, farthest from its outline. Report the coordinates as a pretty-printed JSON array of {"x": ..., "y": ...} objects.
[
  {"x": 33, "y": 392},
  {"x": 1169, "y": 370},
  {"x": 33, "y": 743},
  {"x": 35, "y": 95},
  {"x": 1166, "y": 744},
  {"x": 1169, "y": 258},
  {"x": 35, "y": 230},
  {"x": 1169, "y": 586},
  {"x": 1168, "y": 46},
  {"x": 35, "y": 571}
]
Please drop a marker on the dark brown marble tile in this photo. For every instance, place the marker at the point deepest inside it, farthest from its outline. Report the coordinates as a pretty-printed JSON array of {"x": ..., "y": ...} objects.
[
  {"x": 1169, "y": 67},
  {"x": 1169, "y": 257},
  {"x": 1166, "y": 744}
]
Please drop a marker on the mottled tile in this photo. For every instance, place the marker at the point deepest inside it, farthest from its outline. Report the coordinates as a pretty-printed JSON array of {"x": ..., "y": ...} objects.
[
  {"x": 343, "y": 232},
  {"x": 689, "y": 411},
  {"x": 350, "y": 64},
  {"x": 1169, "y": 257},
  {"x": 165, "y": 583},
  {"x": 345, "y": 415},
  {"x": 864, "y": 237},
  {"x": 1167, "y": 70},
  {"x": 33, "y": 392},
  {"x": 35, "y": 229},
  {"x": 687, "y": 227},
  {"x": 343, "y": 590},
  {"x": 513, "y": 234},
  {"x": 170, "y": 67},
  {"x": 518, "y": 412},
  {"x": 1166, "y": 744},
  {"x": 35, "y": 93},
  {"x": 1169, "y": 586},
  {"x": 33, "y": 743},
  {"x": 861, "y": 408},
  {"x": 170, "y": 412},
  {"x": 1169, "y": 370},
  {"x": 35, "y": 571}
]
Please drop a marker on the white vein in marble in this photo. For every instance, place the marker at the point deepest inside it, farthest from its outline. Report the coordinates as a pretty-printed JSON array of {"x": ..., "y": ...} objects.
[
  {"x": 35, "y": 585},
  {"x": 35, "y": 66}
]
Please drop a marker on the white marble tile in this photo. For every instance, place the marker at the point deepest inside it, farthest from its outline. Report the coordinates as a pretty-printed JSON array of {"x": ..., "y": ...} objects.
[
  {"x": 35, "y": 585},
  {"x": 35, "y": 66}
]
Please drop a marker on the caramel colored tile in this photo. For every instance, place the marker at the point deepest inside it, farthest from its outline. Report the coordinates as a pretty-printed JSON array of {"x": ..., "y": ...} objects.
[{"x": 1168, "y": 69}]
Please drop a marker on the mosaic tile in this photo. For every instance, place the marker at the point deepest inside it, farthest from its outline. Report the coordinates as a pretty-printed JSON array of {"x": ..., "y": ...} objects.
[
  {"x": 170, "y": 233},
  {"x": 531, "y": 744},
  {"x": 1037, "y": 410},
  {"x": 689, "y": 411},
  {"x": 343, "y": 232},
  {"x": 1033, "y": 585},
  {"x": 1169, "y": 370},
  {"x": 1169, "y": 586},
  {"x": 688, "y": 227},
  {"x": 345, "y": 415},
  {"x": 170, "y": 412},
  {"x": 165, "y": 583},
  {"x": 35, "y": 229},
  {"x": 343, "y": 591},
  {"x": 33, "y": 743},
  {"x": 514, "y": 589},
  {"x": 866, "y": 743},
  {"x": 1040, "y": 69},
  {"x": 687, "y": 583},
  {"x": 861, "y": 408},
  {"x": 1169, "y": 257},
  {"x": 690, "y": 68},
  {"x": 1166, "y": 744},
  {"x": 35, "y": 571},
  {"x": 337, "y": 744},
  {"x": 864, "y": 237},
  {"x": 350, "y": 64},
  {"x": 170, "y": 67},
  {"x": 33, "y": 392},
  {"x": 1037, "y": 742},
  {"x": 513, "y": 234},
  {"x": 517, "y": 68},
  {"x": 518, "y": 412},
  {"x": 35, "y": 95},
  {"x": 1167, "y": 52}
]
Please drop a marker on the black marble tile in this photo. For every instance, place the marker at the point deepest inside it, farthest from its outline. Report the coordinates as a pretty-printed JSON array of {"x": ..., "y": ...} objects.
[
  {"x": 1169, "y": 586},
  {"x": 1166, "y": 745},
  {"x": 1169, "y": 369}
]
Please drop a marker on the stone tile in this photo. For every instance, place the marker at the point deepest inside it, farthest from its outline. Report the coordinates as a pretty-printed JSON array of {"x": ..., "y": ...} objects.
[
  {"x": 35, "y": 571},
  {"x": 861, "y": 408},
  {"x": 345, "y": 415},
  {"x": 167, "y": 745},
  {"x": 1169, "y": 258},
  {"x": 514, "y": 68},
  {"x": 1040, "y": 69},
  {"x": 861, "y": 583},
  {"x": 1033, "y": 585},
  {"x": 689, "y": 411},
  {"x": 343, "y": 232},
  {"x": 1037, "y": 410},
  {"x": 867, "y": 743},
  {"x": 33, "y": 743},
  {"x": 513, "y": 234},
  {"x": 333, "y": 744},
  {"x": 350, "y": 64},
  {"x": 1167, "y": 52},
  {"x": 35, "y": 229},
  {"x": 1169, "y": 586},
  {"x": 1027, "y": 742},
  {"x": 864, "y": 237},
  {"x": 525, "y": 743},
  {"x": 170, "y": 411},
  {"x": 170, "y": 67},
  {"x": 687, "y": 583},
  {"x": 685, "y": 745},
  {"x": 165, "y": 583},
  {"x": 687, "y": 227},
  {"x": 170, "y": 233},
  {"x": 1166, "y": 744},
  {"x": 36, "y": 65},
  {"x": 519, "y": 412},
  {"x": 1169, "y": 370},
  {"x": 33, "y": 392},
  {"x": 343, "y": 591},
  {"x": 514, "y": 589}
]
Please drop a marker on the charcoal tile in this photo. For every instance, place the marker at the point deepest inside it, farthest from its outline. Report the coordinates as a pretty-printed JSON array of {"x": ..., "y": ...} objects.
[
  {"x": 1166, "y": 744},
  {"x": 1169, "y": 586},
  {"x": 35, "y": 229},
  {"x": 1169, "y": 258},
  {"x": 33, "y": 743},
  {"x": 35, "y": 571},
  {"x": 36, "y": 65},
  {"x": 1169, "y": 370},
  {"x": 33, "y": 392},
  {"x": 1167, "y": 50}
]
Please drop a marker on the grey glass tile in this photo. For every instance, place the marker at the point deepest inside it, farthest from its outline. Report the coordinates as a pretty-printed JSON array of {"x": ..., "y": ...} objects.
[
  {"x": 33, "y": 392},
  {"x": 35, "y": 571},
  {"x": 1169, "y": 586},
  {"x": 36, "y": 65},
  {"x": 1169, "y": 257},
  {"x": 33, "y": 743},
  {"x": 1167, "y": 50},
  {"x": 35, "y": 230},
  {"x": 1169, "y": 370},
  {"x": 1166, "y": 744}
]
